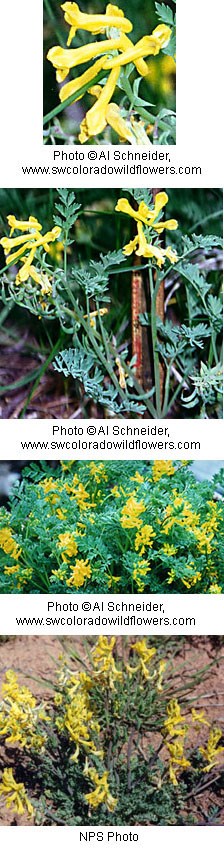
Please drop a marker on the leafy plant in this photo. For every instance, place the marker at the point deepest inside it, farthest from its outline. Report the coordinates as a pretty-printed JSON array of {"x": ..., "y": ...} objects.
[
  {"x": 183, "y": 357},
  {"x": 124, "y": 527},
  {"x": 114, "y": 745}
]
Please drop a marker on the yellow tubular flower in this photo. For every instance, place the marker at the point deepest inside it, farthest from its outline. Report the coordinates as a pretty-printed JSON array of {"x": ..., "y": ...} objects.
[
  {"x": 161, "y": 669},
  {"x": 143, "y": 214},
  {"x": 8, "y": 544},
  {"x": 101, "y": 794},
  {"x": 23, "y": 225},
  {"x": 171, "y": 255},
  {"x": 162, "y": 33},
  {"x": 145, "y": 655},
  {"x": 162, "y": 467},
  {"x": 72, "y": 87},
  {"x": 31, "y": 242},
  {"x": 130, "y": 514},
  {"x": 174, "y": 718},
  {"x": 63, "y": 59},
  {"x": 104, "y": 662},
  {"x": 165, "y": 224},
  {"x": 161, "y": 199},
  {"x": 145, "y": 249},
  {"x": 96, "y": 118},
  {"x": 67, "y": 542},
  {"x": 140, "y": 571},
  {"x": 95, "y": 24},
  {"x": 212, "y": 750},
  {"x": 144, "y": 537},
  {"x": 140, "y": 64},
  {"x": 81, "y": 572},
  {"x": 147, "y": 46},
  {"x": 120, "y": 125},
  {"x": 198, "y": 717},
  {"x": 15, "y": 794}
]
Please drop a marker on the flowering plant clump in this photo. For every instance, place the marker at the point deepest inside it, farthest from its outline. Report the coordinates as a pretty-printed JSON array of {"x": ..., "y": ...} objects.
[
  {"x": 113, "y": 745},
  {"x": 112, "y": 526},
  {"x": 167, "y": 363},
  {"x": 113, "y": 65}
]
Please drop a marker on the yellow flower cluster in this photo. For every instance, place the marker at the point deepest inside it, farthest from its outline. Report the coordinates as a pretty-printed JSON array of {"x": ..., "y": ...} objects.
[
  {"x": 8, "y": 544},
  {"x": 81, "y": 571},
  {"x": 78, "y": 492},
  {"x": 175, "y": 727},
  {"x": 175, "y": 730},
  {"x": 140, "y": 245},
  {"x": 162, "y": 467},
  {"x": 212, "y": 751},
  {"x": 79, "y": 719},
  {"x": 67, "y": 542},
  {"x": 140, "y": 571},
  {"x": 97, "y": 471},
  {"x": 31, "y": 239},
  {"x": 130, "y": 514},
  {"x": 15, "y": 794},
  {"x": 207, "y": 530},
  {"x": 101, "y": 794},
  {"x": 79, "y": 722},
  {"x": 20, "y": 715},
  {"x": 145, "y": 655},
  {"x": 110, "y": 54},
  {"x": 104, "y": 663},
  {"x": 51, "y": 490},
  {"x": 144, "y": 537},
  {"x": 180, "y": 513}
]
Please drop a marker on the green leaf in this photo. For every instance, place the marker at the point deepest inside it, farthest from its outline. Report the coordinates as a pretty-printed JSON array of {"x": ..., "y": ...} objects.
[{"x": 165, "y": 14}]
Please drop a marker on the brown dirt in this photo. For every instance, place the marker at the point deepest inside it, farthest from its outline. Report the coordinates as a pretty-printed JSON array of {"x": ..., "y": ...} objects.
[
  {"x": 53, "y": 398},
  {"x": 36, "y": 659}
]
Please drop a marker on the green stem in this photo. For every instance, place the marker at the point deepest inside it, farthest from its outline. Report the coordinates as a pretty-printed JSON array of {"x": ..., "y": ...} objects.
[
  {"x": 149, "y": 117},
  {"x": 65, "y": 255},
  {"x": 73, "y": 98},
  {"x": 154, "y": 343},
  {"x": 166, "y": 392},
  {"x": 97, "y": 349},
  {"x": 139, "y": 390}
]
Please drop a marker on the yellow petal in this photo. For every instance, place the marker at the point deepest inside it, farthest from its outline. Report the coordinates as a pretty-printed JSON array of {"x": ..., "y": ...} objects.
[
  {"x": 162, "y": 33},
  {"x": 141, "y": 65},
  {"x": 72, "y": 87},
  {"x": 23, "y": 225},
  {"x": 114, "y": 17},
  {"x": 116, "y": 121},
  {"x": 165, "y": 224},
  {"x": 146, "y": 46},
  {"x": 131, "y": 246},
  {"x": 141, "y": 215},
  {"x": 62, "y": 58},
  {"x": 95, "y": 120}
]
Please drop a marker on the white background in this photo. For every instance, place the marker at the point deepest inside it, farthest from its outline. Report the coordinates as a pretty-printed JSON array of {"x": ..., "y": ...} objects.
[
  {"x": 207, "y": 610},
  {"x": 184, "y": 431},
  {"x": 199, "y": 141}
]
